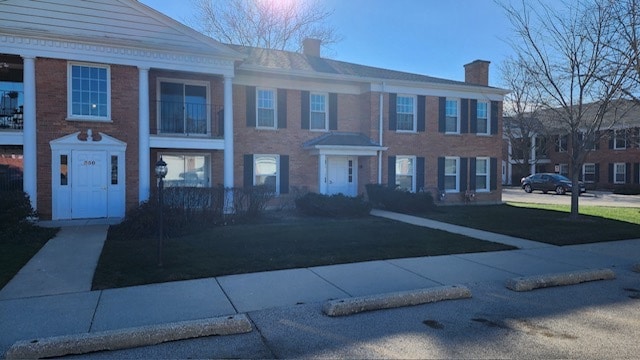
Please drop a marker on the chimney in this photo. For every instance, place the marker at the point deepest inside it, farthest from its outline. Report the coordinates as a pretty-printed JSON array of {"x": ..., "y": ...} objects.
[
  {"x": 311, "y": 47},
  {"x": 477, "y": 72}
]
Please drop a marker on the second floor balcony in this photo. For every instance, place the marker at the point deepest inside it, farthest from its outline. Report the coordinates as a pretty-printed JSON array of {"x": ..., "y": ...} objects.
[
  {"x": 11, "y": 110},
  {"x": 177, "y": 118}
]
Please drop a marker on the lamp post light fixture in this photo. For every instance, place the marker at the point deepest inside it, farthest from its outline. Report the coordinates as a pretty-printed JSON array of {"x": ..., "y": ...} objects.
[{"x": 161, "y": 171}]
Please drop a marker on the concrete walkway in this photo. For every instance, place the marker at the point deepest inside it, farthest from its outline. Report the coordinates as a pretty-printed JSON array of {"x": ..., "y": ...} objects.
[{"x": 51, "y": 296}]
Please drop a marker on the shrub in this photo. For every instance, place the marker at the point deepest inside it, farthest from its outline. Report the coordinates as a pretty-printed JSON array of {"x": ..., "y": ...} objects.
[
  {"x": 15, "y": 208},
  {"x": 387, "y": 198},
  {"x": 627, "y": 190},
  {"x": 333, "y": 205}
]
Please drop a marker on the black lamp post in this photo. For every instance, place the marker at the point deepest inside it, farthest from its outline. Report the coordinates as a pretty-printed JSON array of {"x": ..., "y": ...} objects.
[{"x": 161, "y": 172}]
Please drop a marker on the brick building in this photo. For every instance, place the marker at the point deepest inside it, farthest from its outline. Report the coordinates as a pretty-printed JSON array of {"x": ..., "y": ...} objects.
[{"x": 97, "y": 106}]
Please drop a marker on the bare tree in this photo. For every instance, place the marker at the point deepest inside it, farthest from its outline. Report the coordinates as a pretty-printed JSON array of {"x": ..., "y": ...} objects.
[
  {"x": 626, "y": 22},
  {"x": 280, "y": 25},
  {"x": 521, "y": 125},
  {"x": 567, "y": 52}
]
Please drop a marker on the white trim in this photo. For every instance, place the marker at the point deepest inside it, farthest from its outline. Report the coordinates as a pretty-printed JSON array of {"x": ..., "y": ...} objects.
[
  {"x": 413, "y": 160},
  {"x": 457, "y": 174},
  {"x": 584, "y": 173},
  {"x": 458, "y": 120},
  {"x": 615, "y": 172},
  {"x": 326, "y": 111},
  {"x": 487, "y": 175},
  {"x": 488, "y": 132},
  {"x": 275, "y": 108},
  {"x": 345, "y": 150},
  {"x": 205, "y": 155},
  {"x": 277, "y": 159},
  {"x": 185, "y": 142},
  {"x": 11, "y": 137},
  {"x": 414, "y": 98}
]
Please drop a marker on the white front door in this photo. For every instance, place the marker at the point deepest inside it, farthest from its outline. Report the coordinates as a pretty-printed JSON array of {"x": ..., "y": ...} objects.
[
  {"x": 341, "y": 175},
  {"x": 89, "y": 184}
]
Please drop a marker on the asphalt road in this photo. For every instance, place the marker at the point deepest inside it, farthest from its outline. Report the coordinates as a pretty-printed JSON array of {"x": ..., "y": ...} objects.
[
  {"x": 596, "y": 320},
  {"x": 593, "y": 198}
]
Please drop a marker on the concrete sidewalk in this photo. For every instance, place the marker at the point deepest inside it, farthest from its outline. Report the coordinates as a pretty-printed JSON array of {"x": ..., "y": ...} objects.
[{"x": 71, "y": 308}]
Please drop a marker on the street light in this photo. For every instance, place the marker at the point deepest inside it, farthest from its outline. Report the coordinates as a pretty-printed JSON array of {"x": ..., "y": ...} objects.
[{"x": 161, "y": 172}]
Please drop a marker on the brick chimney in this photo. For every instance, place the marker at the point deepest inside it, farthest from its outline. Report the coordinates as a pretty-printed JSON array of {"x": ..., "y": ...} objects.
[
  {"x": 311, "y": 47},
  {"x": 477, "y": 72}
]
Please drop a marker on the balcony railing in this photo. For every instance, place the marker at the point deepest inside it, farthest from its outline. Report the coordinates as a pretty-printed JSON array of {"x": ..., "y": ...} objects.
[
  {"x": 188, "y": 119},
  {"x": 11, "y": 109}
]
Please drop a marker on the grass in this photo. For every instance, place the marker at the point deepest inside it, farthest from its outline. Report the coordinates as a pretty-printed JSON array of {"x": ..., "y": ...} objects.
[
  {"x": 272, "y": 244},
  {"x": 546, "y": 223},
  {"x": 17, "y": 247}
]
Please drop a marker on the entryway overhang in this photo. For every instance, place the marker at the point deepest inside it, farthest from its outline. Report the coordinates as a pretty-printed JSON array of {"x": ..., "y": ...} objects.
[{"x": 343, "y": 144}]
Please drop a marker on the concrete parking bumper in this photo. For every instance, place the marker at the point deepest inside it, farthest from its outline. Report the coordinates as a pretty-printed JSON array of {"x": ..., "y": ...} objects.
[
  {"x": 128, "y": 338},
  {"x": 356, "y": 305},
  {"x": 558, "y": 279}
]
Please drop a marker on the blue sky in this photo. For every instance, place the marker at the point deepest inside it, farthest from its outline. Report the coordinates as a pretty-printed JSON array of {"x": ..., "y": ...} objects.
[{"x": 431, "y": 37}]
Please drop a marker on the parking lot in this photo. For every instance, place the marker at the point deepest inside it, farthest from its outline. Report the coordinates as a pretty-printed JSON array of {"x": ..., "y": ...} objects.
[{"x": 592, "y": 198}]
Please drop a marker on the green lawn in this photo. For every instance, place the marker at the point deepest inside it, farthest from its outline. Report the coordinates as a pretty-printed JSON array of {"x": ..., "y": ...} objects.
[
  {"x": 272, "y": 244},
  {"x": 546, "y": 223},
  {"x": 17, "y": 247}
]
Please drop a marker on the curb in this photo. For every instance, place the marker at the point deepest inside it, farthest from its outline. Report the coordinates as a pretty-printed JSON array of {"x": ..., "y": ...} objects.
[
  {"x": 348, "y": 306},
  {"x": 127, "y": 338},
  {"x": 558, "y": 279}
]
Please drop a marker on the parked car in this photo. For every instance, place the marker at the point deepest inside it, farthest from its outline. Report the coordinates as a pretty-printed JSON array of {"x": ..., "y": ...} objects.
[{"x": 548, "y": 182}]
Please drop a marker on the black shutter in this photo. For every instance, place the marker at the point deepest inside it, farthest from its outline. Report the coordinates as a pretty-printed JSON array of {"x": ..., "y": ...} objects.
[
  {"x": 558, "y": 140},
  {"x": 611, "y": 137},
  {"x": 422, "y": 117},
  {"x": 597, "y": 177},
  {"x": 284, "y": 174},
  {"x": 464, "y": 116},
  {"x": 636, "y": 173},
  {"x": 251, "y": 106},
  {"x": 282, "y": 108},
  {"x": 610, "y": 173},
  {"x": 419, "y": 173},
  {"x": 442, "y": 119},
  {"x": 463, "y": 174},
  {"x": 333, "y": 111},
  {"x": 391, "y": 172},
  {"x": 221, "y": 123},
  {"x": 248, "y": 171},
  {"x": 473, "y": 117},
  {"x": 493, "y": 176},
  {"x": 304, "y": 110},
  {"x": 628, "y": 173},
  {"x": 440, "y": 173},
  {"x": 472, "y": 174},
  {"x": 392, "y": 111},
  {"x": 494, "y": 117}
]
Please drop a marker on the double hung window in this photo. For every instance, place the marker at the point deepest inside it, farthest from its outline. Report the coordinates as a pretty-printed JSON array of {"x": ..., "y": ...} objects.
[
  {"x": 405, "y": 173},
  {"x": 452, "y": 124},
  {"x": 619, "y": 173},
  {"x": 266, "y": 108},
  {"x": 589, "y": 173},
  {"x": 451, "y": 174},
  {"x": 318, "y": 116},
  {"x": 265, "y": 172},
  {"x": 482, "y": 174},
  {"x": 406, "y": 117},
  {"x": 482, "y": 112}
]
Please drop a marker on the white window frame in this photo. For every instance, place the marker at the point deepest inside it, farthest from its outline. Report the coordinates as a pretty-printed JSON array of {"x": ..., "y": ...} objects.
[
  {"x": 78, "y": 117},
  {"x": 206, "y": 171},
  {"x": 277, "y": 174},
  {"x": 457, "y": 174},
  {"x": 486, "y": 175},
  {"x": 183, "y": 82},
  {"x": 487, "y": 117},
  {"x": 616, "y": 173},
  {"x": 585, "y": 173},
  {"x": 274, "y": 108},
  {"x": 326, "y": 111},
  {"x": 619, "y": 135},
  {"x": 566, "y": 143},
  {"x": 563, "y": 169},
  {"x": 457, "y": 102},
  {"x": 412, "y": 170},
  {"x": 413, "y": 113}
]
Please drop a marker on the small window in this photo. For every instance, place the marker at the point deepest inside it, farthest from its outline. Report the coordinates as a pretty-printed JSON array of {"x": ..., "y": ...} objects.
[
  {"x": 187, "y": 170},
  {"x": 483, "y": 117},
  {"x": 114, "y": 170},
  {"x": 452, "y": 119},
  {"x": 64, "y": 170},
  {"x": 562, "y": 143},
  {"x": 89, "y": 92},
  {"x": 405, "y": 173},
  {"x": 541, "y": 148},
  {"x": 482, "y": 174},
  {"x": 405, "y": 118},
  {"x": 318, "y": 106},
  {"x": 620, "y": 140},
  {"x": 589, "y": 173},
  {"x": 266, "y": 107},
  {"x": 451, "y": 173},
  {"x": 265, "y": 170},
  {"x": 350, "y": 171},
  {"x": 620, "y": 173},
  {"x": 564, "y": 169}
]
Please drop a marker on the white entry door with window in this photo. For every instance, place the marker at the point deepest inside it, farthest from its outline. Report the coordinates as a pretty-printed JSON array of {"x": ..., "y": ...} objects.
[
  {"x": 341, "y": 175},
  {"x": 89, "y": 183}
]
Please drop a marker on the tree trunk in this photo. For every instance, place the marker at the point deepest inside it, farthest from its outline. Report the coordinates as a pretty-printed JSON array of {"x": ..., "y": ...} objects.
[{"x": 575, "y": 195}]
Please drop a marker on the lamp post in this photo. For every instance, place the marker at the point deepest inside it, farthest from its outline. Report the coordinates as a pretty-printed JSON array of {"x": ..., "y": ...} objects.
[{"x": 161, "y": 172}]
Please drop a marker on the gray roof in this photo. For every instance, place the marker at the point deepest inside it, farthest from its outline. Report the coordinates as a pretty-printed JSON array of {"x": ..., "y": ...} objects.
[
  {"x": 341, "y": 139},
  {"x": 288, "y": 60}
]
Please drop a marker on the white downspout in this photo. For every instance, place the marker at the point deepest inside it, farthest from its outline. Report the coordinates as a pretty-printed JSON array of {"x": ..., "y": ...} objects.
[{"x": 380, "y": 128}]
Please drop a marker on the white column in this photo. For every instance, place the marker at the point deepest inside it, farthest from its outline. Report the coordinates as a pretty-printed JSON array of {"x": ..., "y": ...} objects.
[
  {"x": 228, "y": 142},
  {"x": 30, "y": 150},
  {"x": 322, "y": 174},
  {"x": 144, "y": 166}
]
